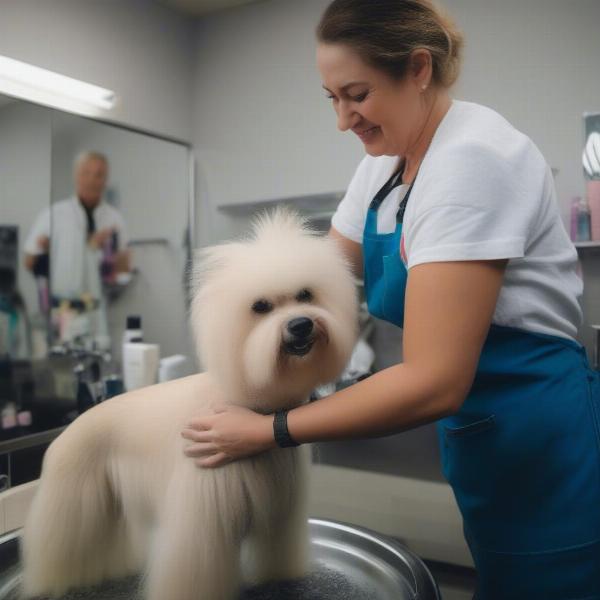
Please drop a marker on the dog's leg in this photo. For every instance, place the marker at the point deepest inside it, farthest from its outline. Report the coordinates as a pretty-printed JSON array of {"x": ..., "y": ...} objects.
[
  {"x": 280, "y": 548},
  {"x": 70, "y": 529},
  {"x": 196, "y": 551}
]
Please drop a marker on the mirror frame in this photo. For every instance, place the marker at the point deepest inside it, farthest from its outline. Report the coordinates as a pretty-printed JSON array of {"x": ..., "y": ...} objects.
[
  {"x": 93, "y": 115},
  {"x": 103, "y": 116}
]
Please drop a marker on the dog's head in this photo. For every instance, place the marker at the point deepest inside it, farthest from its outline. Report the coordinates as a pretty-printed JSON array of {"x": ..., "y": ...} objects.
[{"x": 274, "y": 314}]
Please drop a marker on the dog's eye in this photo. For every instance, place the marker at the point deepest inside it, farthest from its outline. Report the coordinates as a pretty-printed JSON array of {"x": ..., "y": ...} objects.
[
  {"x": 262, "y": 306},
  {"x": 304, "y": 295}
]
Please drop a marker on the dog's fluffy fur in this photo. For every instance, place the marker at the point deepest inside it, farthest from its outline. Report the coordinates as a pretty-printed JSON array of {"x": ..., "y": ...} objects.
[{"x": 118, "y": 496}]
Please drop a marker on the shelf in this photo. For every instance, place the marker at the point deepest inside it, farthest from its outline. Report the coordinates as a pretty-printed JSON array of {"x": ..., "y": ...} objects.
[
  {"x": 587, "y": 245},
  {"x": 315, "y": 206}
]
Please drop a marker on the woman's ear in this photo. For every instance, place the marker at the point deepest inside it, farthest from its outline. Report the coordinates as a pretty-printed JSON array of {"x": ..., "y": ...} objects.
[{"x": 421, "y": 68}]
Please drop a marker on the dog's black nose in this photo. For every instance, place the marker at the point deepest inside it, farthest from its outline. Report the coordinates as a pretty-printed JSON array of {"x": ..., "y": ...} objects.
[{"x": 300, "y": 326}]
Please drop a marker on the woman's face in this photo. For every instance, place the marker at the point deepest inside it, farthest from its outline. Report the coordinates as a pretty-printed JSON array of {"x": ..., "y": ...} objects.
[{"x": 385, "y": 114}]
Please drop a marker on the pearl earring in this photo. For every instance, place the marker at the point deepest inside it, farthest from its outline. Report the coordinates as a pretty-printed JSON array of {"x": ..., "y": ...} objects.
[{"x": 424, "y": 88}]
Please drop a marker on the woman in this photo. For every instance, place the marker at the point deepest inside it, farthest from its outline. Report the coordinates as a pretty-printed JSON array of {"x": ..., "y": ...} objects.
[{"x": 452, "y": 219}]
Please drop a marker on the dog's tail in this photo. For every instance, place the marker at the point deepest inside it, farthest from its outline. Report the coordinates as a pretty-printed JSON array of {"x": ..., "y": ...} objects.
[{"x": 73, "y": 531}]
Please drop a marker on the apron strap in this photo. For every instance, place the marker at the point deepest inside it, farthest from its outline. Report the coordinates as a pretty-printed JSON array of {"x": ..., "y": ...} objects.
[
  {"x": 402, "y": 207},
  {"x": 394, "y": 181},
  {"x": 388, "y": 186}
]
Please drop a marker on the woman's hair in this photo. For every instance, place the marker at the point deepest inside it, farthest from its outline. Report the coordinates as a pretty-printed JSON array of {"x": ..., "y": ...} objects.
[{"x": 384, "y": 33}]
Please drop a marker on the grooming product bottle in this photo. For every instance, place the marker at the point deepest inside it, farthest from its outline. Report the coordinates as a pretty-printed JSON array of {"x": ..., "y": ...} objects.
[
  {"x": 133, "y": 329},
  {"x": 25, "y": 399},
  {"x": 113, "y": 386},
  {"x": 593, "y": 196},
  {"x": 573, "y": 214},
  {"x": 173, "y": 367},
  {"x": 583, "y": 221},
  {"x": 8, "y": 414},
  {"x": 41, "y": 272},
  {"x": 140, "y": 364}
]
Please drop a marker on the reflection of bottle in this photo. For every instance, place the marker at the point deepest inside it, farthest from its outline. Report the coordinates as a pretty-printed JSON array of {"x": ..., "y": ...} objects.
[
  {"x": 583, "y": 221},
  {"x": 41, "y": 272},
  {"x": 109, "y": 254}
]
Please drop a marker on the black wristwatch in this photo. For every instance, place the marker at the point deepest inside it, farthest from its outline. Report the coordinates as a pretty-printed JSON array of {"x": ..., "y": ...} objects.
[{"x": 280, "y": 430}]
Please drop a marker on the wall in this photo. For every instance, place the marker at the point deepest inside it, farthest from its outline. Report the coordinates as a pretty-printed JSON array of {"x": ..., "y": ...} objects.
[
  {"x": 148, "y": 179},
  {"x": 264, "y": 129},
  {"x": 141, "y": 50},
  {"x": 25, "y": 140},
  {"x": 138, "y": 48}
]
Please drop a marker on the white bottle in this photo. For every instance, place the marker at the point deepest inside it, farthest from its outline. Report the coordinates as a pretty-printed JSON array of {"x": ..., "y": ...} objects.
[
  {"x": 133, "y": 329},
  {"x": 140, "y": 365},
  {"x": 173, "y": 367}
]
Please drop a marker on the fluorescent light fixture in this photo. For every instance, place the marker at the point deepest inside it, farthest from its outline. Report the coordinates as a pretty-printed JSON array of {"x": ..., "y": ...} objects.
[{"x": 35, "y": 78}]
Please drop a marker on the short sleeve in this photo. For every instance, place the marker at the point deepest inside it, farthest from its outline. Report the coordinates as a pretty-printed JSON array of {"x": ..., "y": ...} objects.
[
  {"x": 41, "y": 226},
  {"x": 475, "y": 207},
  {"x": 349, "y": 217}
]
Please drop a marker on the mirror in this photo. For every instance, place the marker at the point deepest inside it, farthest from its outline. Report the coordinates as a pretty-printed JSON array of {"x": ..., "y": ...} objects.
[
  {"x": 25, "y": 182},
  {"x": 120, "y": 235},
  {"x": 95, "y": 226}
]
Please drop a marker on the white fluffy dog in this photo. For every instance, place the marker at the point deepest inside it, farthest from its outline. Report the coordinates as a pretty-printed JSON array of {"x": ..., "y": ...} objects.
[{"x": 274, "y": 315}]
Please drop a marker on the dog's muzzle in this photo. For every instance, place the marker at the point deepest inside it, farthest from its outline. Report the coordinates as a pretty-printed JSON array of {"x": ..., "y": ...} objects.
[{"x": 299, "y": 336}]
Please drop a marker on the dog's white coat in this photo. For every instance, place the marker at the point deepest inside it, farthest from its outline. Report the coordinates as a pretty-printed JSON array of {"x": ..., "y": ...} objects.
[{"x": 118, "y": 496}]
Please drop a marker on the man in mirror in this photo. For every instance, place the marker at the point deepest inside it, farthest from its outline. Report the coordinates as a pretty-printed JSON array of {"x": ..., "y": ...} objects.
[{"x": 87, "y": 251}]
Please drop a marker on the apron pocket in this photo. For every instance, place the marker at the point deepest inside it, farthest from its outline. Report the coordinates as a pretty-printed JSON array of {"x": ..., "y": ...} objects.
[
  {"x": 471, "y": 428},
  {"x": 467, "y": 454}
]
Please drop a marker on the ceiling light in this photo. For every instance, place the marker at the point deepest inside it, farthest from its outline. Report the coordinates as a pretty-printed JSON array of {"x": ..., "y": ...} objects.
[{"x": 23, "y": 75}]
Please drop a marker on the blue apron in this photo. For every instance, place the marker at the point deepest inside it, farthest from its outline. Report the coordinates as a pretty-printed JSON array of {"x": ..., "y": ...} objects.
[{"x": 523, "y": 452}]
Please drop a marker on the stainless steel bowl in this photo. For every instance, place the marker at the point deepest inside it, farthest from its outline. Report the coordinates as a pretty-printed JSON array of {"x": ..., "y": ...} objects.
[{"x": 348, "y": 562}]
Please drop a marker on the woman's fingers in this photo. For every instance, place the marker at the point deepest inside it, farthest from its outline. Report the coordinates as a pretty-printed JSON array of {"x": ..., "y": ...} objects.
[
  {"x": 197, "y": 436},
  {"x": 204, "y": 422},
  {"x": 215, "y": 460},
  {"x": 200, "y": 449}
]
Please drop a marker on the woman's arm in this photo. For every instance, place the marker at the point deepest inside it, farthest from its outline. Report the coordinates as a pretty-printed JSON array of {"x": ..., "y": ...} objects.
[
  {"x": 448, "y": 311},
  {"x": 352, "y": 250}
]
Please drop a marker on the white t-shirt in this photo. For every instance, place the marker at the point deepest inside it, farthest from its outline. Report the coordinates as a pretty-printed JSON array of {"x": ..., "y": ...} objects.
[
  {"x": 74, "y": 264},
  {"x": 483, "y": 191}
]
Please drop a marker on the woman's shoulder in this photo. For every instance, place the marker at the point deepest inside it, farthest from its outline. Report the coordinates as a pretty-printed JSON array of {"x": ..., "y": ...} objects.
[
  {"x": 482, "y": 136},
  {"x": 372, "y": 172},
  {"x": 479, "y": 159}
]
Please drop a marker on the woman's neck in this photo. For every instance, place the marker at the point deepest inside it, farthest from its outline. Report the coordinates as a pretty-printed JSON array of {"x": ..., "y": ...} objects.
[{"x": 438, "y": 109}]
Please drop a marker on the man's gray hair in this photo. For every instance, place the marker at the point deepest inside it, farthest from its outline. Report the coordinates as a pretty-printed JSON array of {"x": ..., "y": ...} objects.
[{"x": 86, "y": 155}]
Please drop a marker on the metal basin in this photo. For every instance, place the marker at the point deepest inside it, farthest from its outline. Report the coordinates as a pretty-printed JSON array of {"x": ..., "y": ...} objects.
[{"x": 348, "y": 563}]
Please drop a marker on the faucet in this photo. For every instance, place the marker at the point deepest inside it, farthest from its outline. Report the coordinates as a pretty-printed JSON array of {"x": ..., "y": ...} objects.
[{"x": 87, "y": 371}]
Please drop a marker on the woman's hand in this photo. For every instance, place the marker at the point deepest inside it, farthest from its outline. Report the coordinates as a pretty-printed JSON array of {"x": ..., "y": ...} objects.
[{"x": 232, "y": 432}]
